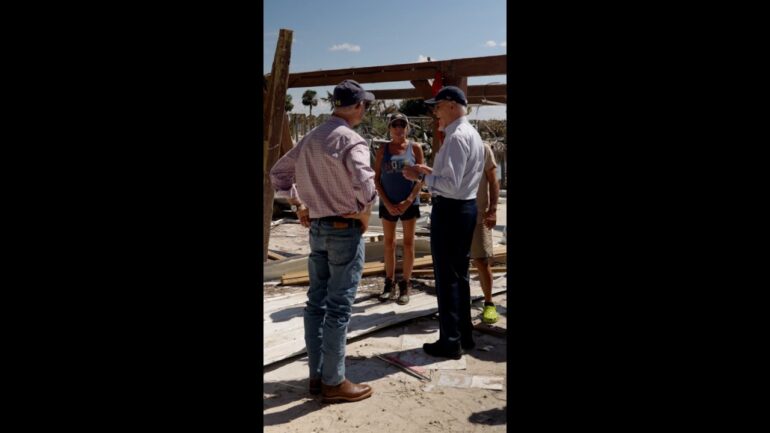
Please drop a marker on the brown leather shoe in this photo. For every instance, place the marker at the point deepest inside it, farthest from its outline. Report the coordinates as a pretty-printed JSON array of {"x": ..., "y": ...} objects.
[
  {"x": 345, "y": 391},
  {"x": 314, "y": 385}
]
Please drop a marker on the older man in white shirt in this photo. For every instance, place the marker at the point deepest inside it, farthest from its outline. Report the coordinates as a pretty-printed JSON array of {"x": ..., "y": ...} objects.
[{"x": 453, "y": 182}]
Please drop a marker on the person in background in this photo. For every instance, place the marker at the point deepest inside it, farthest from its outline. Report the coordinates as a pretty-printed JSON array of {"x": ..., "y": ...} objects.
[
  {"x": 453, "y": 182},
  {"x": 328, "y": 175},
  {"x": 481, "y": 247},
  {"x": 399, "y": 199}
]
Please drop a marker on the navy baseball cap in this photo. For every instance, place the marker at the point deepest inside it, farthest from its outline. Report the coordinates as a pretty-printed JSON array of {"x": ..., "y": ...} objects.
[
  {"x": 448, "y": 93},
  {"x": 349, "y": 92}
]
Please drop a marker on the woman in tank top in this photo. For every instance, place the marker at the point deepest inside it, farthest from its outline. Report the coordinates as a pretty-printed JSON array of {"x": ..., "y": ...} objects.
[{"x": 399, "y": 199}]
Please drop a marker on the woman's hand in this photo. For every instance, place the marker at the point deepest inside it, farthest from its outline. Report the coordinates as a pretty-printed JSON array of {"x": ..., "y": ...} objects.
[{"x": 392, "y": 209}]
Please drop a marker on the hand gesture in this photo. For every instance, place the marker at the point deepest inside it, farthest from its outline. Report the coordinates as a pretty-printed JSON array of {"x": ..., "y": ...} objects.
[
  {"x": 403, "y": 206},
  {"x": 490, "y": 218},
  {"x": 392, "y": 209},
  {"x": 362, "y": 216}
]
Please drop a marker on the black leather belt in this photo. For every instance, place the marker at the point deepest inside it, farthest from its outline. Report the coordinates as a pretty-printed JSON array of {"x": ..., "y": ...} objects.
[
  {"x": 341, "y": 222},
  {"x": 438, "y": 198}
]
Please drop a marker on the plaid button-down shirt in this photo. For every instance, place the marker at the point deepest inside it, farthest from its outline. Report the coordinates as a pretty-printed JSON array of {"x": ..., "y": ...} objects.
[{"x": 328, "y": 170}]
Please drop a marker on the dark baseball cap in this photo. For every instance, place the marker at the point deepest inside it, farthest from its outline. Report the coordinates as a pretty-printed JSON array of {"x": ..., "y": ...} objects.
[
  {"x": 448, "y": 93},
  {"x": 398, "y": 116},
  {"x": 349, "y": 92}
]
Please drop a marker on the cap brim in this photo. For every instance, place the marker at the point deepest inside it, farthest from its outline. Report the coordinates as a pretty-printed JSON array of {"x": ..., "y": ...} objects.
[{"x": 368, "y": 96}]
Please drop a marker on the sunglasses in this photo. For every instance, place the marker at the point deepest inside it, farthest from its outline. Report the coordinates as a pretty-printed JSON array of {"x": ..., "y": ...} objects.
[{"x": 398, "y": 125}]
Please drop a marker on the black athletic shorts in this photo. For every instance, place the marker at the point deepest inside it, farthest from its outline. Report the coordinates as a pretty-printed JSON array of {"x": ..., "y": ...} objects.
[{"x": 412, "y": 212}]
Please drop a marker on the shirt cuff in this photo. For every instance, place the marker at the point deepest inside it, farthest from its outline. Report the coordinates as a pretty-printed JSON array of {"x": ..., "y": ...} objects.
[{"x": 288, "y": 194}]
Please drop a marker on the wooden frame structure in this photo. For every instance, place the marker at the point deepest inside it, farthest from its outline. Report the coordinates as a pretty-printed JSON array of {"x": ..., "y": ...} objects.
[{"x": 452, "y": 72}]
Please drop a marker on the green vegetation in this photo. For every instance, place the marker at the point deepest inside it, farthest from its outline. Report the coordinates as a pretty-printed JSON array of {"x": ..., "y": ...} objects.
[{"x": 309, "y": 99}]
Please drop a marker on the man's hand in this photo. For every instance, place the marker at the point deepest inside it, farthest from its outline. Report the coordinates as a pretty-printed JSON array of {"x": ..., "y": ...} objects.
[
  {"x": 362, "y": 216},
  {"x": 412, "y": 172},
  {"x": 303, "y": 214},
  {"x": 490, "y": 218}
]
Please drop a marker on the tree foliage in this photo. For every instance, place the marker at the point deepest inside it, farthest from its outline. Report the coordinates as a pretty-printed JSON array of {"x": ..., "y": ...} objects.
[
  {"x": 309, "y": 99},
  {"x": 329, "y": 99},
  {"x": 492, "y": 129},
  {"x": 414, "y": 107},
  {"x": 288, "y": 106}
]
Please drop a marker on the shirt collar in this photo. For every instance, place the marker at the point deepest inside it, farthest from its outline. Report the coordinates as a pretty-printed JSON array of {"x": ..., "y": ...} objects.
[
  {"x": 452, "y": 126},
  {"x": 339, "y": 121}
]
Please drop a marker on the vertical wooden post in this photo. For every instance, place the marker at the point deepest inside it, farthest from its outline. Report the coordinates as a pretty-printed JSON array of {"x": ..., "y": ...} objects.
[
  {"x": 274, "y": 120},
  {"x": 286, "y": 141},
  {"x": 449, "y": 78}
]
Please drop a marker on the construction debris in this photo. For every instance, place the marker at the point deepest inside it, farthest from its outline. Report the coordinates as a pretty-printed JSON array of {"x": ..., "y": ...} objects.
[
  {"x": 460, "y": 380},
  {"x": 407, "y": 368}
]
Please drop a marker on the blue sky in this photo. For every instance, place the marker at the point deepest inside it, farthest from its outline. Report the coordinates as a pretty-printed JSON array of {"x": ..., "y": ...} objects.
[{"x": 335, "y": 34}]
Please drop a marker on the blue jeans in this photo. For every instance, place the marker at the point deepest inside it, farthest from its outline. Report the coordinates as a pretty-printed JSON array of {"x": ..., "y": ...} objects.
[
  {"x": 451, "y": 232},
  {"x": 335, "y": 265}
]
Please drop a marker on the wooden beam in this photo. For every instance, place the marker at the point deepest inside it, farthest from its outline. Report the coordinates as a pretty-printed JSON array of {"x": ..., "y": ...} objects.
[
  {"x": 274, "y": 128},
  {"x": 286, "y": 142},
  {"x": 472, "y": 270},
  {"x": 422, "y": 88},
  {"x": 490, "y": 91},
  {"x": 466, "y": 67},
  {"x": 274, "y": 256},
  {"x": 374, "y": 268}
]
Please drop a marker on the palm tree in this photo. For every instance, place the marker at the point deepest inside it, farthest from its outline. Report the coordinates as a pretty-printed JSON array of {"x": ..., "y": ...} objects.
[
  {"x": 309, "y": 99},
  {"x": 288, "y": 106},
  {"x": 329, "y": 99}
]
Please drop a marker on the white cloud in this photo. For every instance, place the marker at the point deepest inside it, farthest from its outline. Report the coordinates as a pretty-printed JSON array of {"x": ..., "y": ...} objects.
[
  {"x": 346, "y": 46},
  {"x": 503, "y": 44},
  {"x": 490, "y": 44},
  {"x": 421, "y": 59}
]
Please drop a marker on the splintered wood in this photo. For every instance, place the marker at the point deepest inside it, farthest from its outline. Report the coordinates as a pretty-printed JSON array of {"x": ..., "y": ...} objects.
[
  {"x": 378, "y": 267},
  {"x": 284, "y": 335}
]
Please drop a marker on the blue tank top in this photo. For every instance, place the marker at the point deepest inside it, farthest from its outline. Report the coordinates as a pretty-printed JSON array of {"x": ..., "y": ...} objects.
[{"x": 397, "y": 187}]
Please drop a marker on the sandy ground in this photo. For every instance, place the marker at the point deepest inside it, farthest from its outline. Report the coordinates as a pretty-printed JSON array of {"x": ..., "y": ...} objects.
[
  {"x": 468, "y": 395},
  {"x": 453, "y": 400}
]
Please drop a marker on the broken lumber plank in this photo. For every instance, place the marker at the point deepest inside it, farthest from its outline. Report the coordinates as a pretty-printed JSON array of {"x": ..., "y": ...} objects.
[
  {"x": 274, "y": 256},
  {"x": 370, "y": 268},
  {"x": 285, "y": 338},
  {"x": 377, "y": 267},
  {"x": 480, "y": 326},
  {"x": 473, "y": 270}
]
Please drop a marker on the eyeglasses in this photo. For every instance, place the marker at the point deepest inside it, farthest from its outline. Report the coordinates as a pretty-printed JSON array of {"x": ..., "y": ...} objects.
[{"x": 398, "y": 125}]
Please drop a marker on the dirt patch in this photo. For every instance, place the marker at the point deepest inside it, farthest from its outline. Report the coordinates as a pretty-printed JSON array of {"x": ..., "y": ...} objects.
[{"x": 401, "y": 402}]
